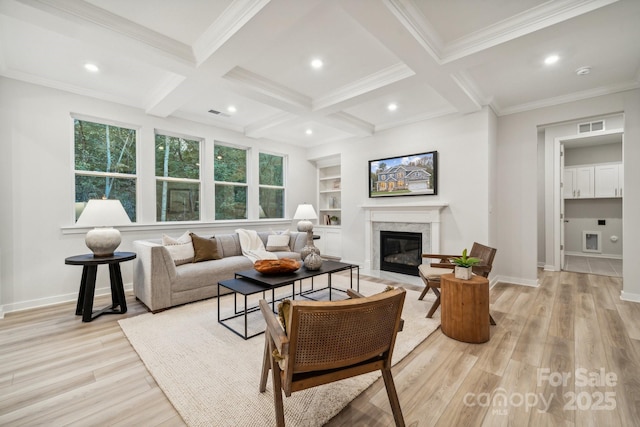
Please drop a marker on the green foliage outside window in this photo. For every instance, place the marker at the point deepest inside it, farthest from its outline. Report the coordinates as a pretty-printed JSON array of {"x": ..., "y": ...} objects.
[
  {"x": 177, "y": 178},
  {"x": 105, "y": 164},
  {"x": 230, "y": 166},
  {"x": 271, "y": 180}
]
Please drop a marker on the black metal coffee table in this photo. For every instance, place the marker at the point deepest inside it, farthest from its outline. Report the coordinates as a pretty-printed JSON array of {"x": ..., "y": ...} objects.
[{"x": 250, "y": 282}]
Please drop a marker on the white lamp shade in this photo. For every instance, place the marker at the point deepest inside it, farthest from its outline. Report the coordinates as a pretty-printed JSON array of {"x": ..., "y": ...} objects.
[
  {"x": 305, "y": 211},
  {"x": 103, "y": 213}
]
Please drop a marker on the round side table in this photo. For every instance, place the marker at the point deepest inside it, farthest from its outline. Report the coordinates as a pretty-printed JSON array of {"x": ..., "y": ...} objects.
[
  {"x": 90, "y": 264},
  {"x": 464, "y": 312}
]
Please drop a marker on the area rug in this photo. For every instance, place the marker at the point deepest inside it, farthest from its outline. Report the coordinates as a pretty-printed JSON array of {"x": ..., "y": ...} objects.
[{"x": 211, "y": 375}]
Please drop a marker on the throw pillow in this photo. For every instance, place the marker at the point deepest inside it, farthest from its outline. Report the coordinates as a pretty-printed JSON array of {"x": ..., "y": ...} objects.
[
  {"x": 204, "y": 249},
  {"x": 278, "y": 242},
  {"x": 180, "y": 249}
]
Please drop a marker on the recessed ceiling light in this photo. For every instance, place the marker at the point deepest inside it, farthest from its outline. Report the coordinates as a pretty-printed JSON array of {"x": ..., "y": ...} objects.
[
  {"x": 317, "y": 63},
  {"x": 91, "y": 67},
  {"x": 582, "y": 71},
  {"x": 231, "y": 109},
  {"x": 392, "y": 107},
  {"x": 551, "y": 59},
  {"x": 308, "y": 132}
]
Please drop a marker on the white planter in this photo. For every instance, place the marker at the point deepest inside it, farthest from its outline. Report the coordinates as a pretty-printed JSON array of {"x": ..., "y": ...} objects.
[{"x": 463, "y": 273}]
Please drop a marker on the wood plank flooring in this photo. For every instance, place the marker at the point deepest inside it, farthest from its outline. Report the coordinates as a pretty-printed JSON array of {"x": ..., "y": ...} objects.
[{"x": 56, "y": 370}]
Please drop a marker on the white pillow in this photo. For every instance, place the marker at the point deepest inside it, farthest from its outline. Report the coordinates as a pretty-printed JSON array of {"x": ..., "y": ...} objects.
[
  {"x": 180, "y": 249},
  {"x": 278, "y": 242},
  {"x": 280, "y": 232}
]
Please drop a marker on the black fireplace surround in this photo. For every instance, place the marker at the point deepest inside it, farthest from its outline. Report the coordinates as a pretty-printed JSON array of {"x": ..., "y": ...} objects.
[{"x": 400, "y": 252}]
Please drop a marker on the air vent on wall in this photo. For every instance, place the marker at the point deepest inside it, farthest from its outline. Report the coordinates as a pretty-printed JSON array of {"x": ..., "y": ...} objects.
[
  {"x": 218, "y": 113},
  {"x": 591, "y": 126}
]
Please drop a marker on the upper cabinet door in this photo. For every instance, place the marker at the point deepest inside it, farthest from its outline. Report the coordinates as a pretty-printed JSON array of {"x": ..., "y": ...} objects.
[
  {"x": 584, "y": 182},
  {"x": 608, "y": 180},
  {"x": 569, "y": 183}
]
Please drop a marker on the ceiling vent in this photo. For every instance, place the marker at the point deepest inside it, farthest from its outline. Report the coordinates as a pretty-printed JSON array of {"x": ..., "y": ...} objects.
[
  {"x": 591, "y": 126},
  {"x": 219, "y": 113}
]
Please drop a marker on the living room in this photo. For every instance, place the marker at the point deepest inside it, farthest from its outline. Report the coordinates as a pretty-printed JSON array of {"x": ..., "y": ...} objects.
[{"x": 489, "y": 175}]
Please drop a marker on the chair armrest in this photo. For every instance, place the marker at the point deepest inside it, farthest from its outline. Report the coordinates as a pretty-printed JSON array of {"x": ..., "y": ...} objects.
[{"x": 274, "y": 329}]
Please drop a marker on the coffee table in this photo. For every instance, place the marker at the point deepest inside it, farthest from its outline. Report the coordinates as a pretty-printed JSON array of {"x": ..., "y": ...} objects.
[{"x": 250, "y": 282}]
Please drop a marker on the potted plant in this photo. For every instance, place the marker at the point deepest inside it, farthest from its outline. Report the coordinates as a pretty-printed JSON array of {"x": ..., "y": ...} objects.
[
  {"x": 333, "y": 220},
  {"x": 463, "y": 265}
]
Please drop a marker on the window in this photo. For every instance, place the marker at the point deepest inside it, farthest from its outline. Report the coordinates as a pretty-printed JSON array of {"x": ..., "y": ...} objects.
[
  {"x": 271, "y": 186},
  {"x": 230, "y": 176},
  {"x": 105, "y": 164},
  {"x": 177, "y": 178}
]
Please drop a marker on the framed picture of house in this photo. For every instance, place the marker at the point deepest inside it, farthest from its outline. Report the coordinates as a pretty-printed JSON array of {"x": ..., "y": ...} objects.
[{"x": 411, "y": 175}]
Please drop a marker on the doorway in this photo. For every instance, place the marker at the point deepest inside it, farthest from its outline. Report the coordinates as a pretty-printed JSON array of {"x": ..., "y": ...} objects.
[{"x": 590, "y": 203}]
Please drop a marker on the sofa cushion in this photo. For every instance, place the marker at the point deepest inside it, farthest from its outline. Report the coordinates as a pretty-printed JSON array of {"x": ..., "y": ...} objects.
[
  {"x": 204, "y": 249},
  {"x": 180, "y": 249},
  {"x": 207, "y": 273},
  {"x": 278, "y": 242},
  {"x": 228, "y": 245}
]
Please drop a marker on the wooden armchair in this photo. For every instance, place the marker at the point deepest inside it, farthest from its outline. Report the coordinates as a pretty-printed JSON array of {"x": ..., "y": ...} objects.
[
  {"x": 328, "y": 341},
  {"x": 430, "y": 273}
]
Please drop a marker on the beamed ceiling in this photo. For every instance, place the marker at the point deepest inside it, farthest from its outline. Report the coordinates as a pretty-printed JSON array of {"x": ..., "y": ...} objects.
[{"x": 428, "y": 57}]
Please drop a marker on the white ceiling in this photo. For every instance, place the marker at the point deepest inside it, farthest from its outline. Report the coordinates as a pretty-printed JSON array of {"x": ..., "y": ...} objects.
[{"x": 430, "y": 57}]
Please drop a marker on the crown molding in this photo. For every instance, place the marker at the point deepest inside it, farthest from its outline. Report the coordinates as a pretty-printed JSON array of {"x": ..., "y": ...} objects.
[
  {"x": 256, "y": 83},
  {"x": 257, "y": 129},
  {"x": 416, "y": 118},
  {"x": 162, "y": 91},
  {"x": 227, "y": 24},
  {"x": 534, "y": 19},
  {"x": 381, "y": 78},
  {"x": 213, "y": 121},
  {"x": 349, "y": 123},
  {"x": 576, "y": 96},
  {"x": 98, "y": 17}
]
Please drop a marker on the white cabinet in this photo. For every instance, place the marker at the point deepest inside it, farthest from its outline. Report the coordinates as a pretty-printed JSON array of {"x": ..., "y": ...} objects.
[
  {"x": 596, "y": 181},
  {"x": 578, "y": 182},
  {"x": 330, "y": 242},
  {"x": 608, "y": 180}
]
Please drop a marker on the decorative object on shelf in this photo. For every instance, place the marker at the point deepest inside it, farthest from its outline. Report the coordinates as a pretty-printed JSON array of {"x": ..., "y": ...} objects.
[
  {"x": 103, "y": 214},
  {"x": 305, "y": 212},
  {"x": 313, "y": 261},
  {"x": 463, "y": 266},
  {"x": 276, "y": 266},
  {"x": 412, "y": 175},
  {"x": 334, "y": 220}
]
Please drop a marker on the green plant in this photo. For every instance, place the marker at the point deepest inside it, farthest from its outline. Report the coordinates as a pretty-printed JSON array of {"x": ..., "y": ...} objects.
[
  {"x": 465, "y": 261},
  {"x": 333, "y": 218}
]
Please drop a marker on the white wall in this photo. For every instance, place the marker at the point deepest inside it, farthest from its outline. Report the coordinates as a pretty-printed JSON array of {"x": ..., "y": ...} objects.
[
  {"x": 517, "y": 177},
  {"x": 37, "y": 190},
  {"x": 464, "y": 151}
]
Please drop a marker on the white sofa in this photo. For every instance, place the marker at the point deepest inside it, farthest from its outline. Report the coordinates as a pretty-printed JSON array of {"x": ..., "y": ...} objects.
[{"x": 160, "y": 284}]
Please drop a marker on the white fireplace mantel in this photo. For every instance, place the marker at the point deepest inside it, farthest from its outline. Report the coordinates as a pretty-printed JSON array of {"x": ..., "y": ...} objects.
[{"x": 419, "y": 213}]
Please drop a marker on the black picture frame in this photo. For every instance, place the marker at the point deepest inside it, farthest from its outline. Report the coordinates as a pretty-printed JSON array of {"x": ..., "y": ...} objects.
[{"x": 409, "y": 175}]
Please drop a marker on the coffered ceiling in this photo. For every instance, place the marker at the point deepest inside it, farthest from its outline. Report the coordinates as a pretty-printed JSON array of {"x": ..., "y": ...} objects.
[{"x": 428, "y": 57}]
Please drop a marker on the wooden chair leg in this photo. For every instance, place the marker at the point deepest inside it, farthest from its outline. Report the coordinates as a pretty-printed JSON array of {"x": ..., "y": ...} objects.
[
  {"x": 436, "y": 303},
  {"x": 266, "y": 365},
  {"x": 493, "y": 322},
  {"x": 424, "y": 292},
  {"x": 277, "y": 388},
  {"x": 393, "y": 397}
]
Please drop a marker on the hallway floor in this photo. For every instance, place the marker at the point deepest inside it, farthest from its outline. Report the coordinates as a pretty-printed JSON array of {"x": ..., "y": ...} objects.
[{"x": 602, "y": 266}]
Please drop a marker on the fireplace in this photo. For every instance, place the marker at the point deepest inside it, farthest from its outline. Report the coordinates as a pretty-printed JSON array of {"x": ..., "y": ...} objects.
[{"x": 400, "y": 252}]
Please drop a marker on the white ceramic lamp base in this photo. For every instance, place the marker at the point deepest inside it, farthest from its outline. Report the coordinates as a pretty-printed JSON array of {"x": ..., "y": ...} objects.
[{"x": 103, "y": 241}]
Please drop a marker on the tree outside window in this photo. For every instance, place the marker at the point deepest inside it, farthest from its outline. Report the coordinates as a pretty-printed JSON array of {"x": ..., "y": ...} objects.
[
  {"x": 105, "y": 164},
  {"x": 271, "y": 190},
  {"x": 230, "y": 176},
  {"x": 177, "y": 178}
]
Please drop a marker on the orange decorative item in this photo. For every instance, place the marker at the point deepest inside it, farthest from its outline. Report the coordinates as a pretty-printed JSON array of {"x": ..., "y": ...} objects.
[{"x": 276, "y": 266}]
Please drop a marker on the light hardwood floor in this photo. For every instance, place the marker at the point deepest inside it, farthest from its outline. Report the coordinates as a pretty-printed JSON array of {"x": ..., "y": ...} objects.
[{"x": 56, "y": 370}]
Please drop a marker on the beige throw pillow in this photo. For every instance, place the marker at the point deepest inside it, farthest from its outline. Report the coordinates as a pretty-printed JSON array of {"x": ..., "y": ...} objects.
[
  {"x": 278, "y": 242},
  {"x": 180, "y": 249}
]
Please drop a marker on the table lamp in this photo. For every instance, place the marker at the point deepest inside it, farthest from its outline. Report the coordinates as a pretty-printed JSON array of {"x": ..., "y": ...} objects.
[
  {"x": 305, "y": 213},
  {"x": 103, "y": 214}
]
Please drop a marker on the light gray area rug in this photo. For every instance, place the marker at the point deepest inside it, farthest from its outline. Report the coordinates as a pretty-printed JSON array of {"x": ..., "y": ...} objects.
[{"x": 211, "y": 375}]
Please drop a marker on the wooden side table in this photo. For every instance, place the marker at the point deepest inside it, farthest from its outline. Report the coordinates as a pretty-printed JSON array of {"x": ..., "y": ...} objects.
[
  {"x": 465, "y": 308},
  {"x": 90, "y": 265}
]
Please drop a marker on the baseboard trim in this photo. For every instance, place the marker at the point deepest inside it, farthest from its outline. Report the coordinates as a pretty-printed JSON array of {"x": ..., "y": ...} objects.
[
  {"x": 593, "y": 255},
  {"x": 627, "y": 296},
  {"x": 58, "y": 299},
  {"x": 516, "y": 281}
]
